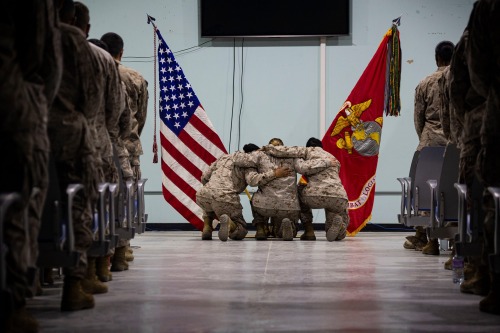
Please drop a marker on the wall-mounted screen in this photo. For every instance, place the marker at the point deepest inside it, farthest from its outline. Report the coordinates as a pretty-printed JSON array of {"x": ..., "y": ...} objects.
[{"x": 274, "y": 18}]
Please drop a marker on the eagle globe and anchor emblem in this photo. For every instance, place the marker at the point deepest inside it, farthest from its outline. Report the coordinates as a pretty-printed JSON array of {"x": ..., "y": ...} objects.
[{"x": 365, "y": 137}]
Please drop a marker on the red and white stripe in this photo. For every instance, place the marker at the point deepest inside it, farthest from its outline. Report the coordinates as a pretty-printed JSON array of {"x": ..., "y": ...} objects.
[{"x": 184, "y": 159}]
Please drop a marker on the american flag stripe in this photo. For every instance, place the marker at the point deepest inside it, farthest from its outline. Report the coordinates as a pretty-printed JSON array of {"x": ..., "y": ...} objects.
[
  {"x": 180, "y": 173},
  {"x": 184, "y": 206},
  {"x": 184, "y": 159},
  {"x": 176, "y": 179},
  {"x": 203, "y": 124},
  {"x": 188, "y": 139}
]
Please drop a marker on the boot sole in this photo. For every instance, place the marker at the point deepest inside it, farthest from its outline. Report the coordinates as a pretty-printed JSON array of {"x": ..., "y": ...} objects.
[
  {"x": 224, "y": 228},
  {"x": 332, "y": 233},
  {"x": 287, "y": 230}
]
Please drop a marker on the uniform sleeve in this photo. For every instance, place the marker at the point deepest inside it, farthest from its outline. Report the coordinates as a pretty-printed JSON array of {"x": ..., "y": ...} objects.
[
  {"x": 114, "y": 102},
  {"x": 285, "y": 152},
  {"x": 311, "y": 166},
  {"x": 205, "y": 177},
  {"x": 479, "y": 61},
  {"x": 142, "y": 105},
  {"x": 419, "y": 111},
  {"x": 444, "y": 110},
  {"x": 253, "y": 178},
  {"x": 245, "y": 160}
]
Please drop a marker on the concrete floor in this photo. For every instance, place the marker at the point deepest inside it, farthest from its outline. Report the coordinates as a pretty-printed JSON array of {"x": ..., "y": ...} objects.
[{"x": 367, "y": 283}]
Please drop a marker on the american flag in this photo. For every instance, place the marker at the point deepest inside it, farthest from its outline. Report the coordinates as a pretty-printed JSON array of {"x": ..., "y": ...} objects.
[{"x": 188, "y": 140}]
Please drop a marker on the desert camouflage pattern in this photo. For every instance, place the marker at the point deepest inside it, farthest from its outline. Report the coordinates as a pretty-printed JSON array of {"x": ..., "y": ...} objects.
[
  {"x": 30, "y": 71},
  {"x": 483, "y": 59},
  {"x": 427, "y": 111},
  {"x": 278, "y": 193},
  {"x": 468, "y": 105},
  {"x": 452, "y": 127},
  {"x": 137, "y": 92},
  {"x": 71, "y": 135}
]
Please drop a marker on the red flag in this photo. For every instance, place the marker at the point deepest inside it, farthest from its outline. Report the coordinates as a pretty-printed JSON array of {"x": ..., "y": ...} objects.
[
  {"x": 355, "y": 133},
  {"x": 189, "y": 143}
]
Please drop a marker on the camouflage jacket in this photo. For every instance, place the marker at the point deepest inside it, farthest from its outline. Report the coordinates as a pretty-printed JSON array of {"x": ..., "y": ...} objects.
[
  {"x": 427, "y": 111},
  {"x": 137, "y": 92},
  {"x": 467, "y": 103},
  {"x": 277, "y": 193},
  {"x": 452, "y": 128},
  {"x": 30, "y": 72},
  {"x": 223, "y": 181},
  {"x": 483, "y": 55},
  {"x": 315, "y": 164},
  {"x": 75, "y": 105},
  {"x": 110, "y": 103}
]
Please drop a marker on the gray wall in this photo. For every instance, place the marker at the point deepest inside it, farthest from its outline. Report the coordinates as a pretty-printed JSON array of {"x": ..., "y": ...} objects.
[{"x": 281, "y": 79}]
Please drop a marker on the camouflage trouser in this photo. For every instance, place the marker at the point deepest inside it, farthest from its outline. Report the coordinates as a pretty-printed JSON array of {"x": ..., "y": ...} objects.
[
  {"x": 261, "y": 215},
  {"x": 488, "y": 166},
  {"x": 110, "y": 171},
  {"x": 332, "y": 206},
  {"x": 110, "y": 176},
  {"x": 213, "y": 209},
  {"x": 135, "y": 164},
  {"x": 126, "y": 169},
  {"x": 69, "y": 172},
  {"x": 23, "y": 251}
]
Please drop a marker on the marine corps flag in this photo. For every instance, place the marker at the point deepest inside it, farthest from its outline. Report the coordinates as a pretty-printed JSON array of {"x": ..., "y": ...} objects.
[{"x": 355, "y": 133}]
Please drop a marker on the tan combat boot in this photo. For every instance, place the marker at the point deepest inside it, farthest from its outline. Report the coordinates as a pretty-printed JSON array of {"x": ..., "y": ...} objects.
[
  {"x": 432, "y": 247},
  {"x": 286, "y": 230},
  {"x": 102, "y": 269},
  {"x": 91, "y": 284},
  {"x": 227, "y": 227},
  {"x": 333, "y": 228},
  {"x": 479, "y": 284},
  {"x": 128, "y": 253},
  {"x": 239, "y": 233},
  {"x": 261, "y": 233},
  {"x": 119, "y": 263},
  {"x": 73, "y": 296},
  {"x": 206, "y": 234},
  {"x": 308, "y": 232}
]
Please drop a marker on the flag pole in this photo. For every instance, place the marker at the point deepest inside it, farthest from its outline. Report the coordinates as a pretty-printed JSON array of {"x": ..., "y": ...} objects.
[{"x": 155, "y": 146}]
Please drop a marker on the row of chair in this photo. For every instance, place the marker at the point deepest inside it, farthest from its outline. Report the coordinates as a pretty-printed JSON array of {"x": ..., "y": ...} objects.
[
  {"x": 119, "y": 213},
  {"x": 432, "y": 197}
]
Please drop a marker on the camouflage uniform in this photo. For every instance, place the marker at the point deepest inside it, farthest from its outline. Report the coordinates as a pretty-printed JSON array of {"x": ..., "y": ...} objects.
[
  {"x": 110, "y": 97},
  {"x": 469, "y": 107},
  {"x": 323, "y": 188},
  {"x": 469, "y": 111},
  {"x": 220, "y": 193},
  {"x": 483, "y": 54},
  {"x": 427, "y": 111},
  {"x": 137, "y": 91},
  {"x": 120, "y": 134},
  {"x": 452, "y": 127},
  {"x": 72, "y": 137},
  {"x": 30, "y": 68},
  {"x": 276, "y": 197}
]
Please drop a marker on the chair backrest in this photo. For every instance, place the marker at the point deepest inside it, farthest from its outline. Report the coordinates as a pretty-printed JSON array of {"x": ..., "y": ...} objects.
[
  {"x": 430, "y": 161},
  {"x": 413, "y": 166},
  {"x": 447, "y": 194}
]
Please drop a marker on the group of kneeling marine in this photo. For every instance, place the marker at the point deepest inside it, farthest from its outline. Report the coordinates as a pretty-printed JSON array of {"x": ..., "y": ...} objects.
[{"x": 273, "y": 169}]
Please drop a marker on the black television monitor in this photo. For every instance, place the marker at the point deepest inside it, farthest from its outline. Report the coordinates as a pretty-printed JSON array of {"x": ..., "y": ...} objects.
[{"x": 274, "y": 18}]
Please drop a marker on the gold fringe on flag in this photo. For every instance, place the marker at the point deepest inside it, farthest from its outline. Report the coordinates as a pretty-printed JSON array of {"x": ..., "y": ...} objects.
[{"x": 392, "y": 103}]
